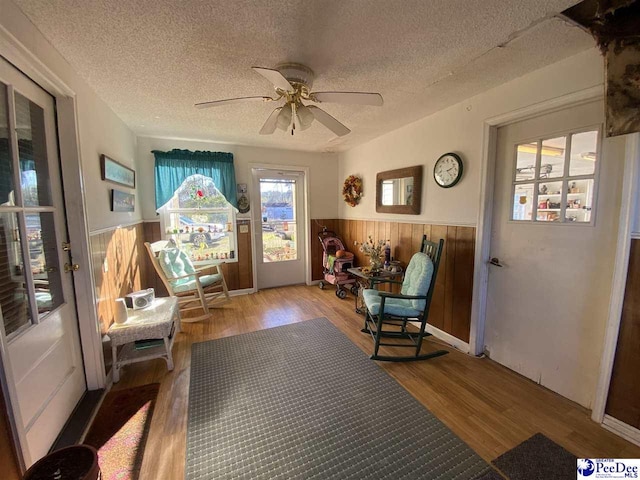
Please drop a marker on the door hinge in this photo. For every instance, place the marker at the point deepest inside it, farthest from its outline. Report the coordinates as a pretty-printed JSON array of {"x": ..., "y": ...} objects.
[
  {"x": 74, "y": 267},
  {"x": 66, "y": 246}
]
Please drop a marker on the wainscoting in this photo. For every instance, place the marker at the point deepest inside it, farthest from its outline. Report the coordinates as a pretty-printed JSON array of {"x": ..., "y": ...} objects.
[{"x": 451, "y": 304}]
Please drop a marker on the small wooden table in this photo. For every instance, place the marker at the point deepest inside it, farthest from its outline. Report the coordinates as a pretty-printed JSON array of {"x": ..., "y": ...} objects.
[
  {"x": 366, "y": 280},
  {"x": 161, "y": 320}
]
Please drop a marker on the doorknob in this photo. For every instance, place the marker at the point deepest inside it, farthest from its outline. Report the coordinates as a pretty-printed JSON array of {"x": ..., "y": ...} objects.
[
  {"x": 495, "y": 261},
  {"x": 74, "y": 267}
]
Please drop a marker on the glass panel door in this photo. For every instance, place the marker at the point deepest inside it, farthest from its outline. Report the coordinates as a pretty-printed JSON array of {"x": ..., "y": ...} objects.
[{"x": 278, "y": 210}]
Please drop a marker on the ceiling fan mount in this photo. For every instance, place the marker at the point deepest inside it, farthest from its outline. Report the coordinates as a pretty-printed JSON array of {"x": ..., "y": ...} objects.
[{"x": 292, "y": 83}]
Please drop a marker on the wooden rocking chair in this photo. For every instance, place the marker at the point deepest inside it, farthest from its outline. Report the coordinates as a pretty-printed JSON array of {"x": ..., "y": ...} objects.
[{"x": 195, "y": 289}]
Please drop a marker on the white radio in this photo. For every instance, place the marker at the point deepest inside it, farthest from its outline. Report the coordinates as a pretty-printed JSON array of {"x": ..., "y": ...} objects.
[{"x": 140, "y": 299}]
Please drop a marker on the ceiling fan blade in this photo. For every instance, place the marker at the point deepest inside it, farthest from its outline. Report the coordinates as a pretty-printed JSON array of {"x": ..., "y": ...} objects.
[
  {"x": 270, "y": 125},
  {"x": 353, "y": 98},
  {"x": 217, "y": 103},
  {"x": 328, "y": 121},
  {"x": 275, "y": 77}
]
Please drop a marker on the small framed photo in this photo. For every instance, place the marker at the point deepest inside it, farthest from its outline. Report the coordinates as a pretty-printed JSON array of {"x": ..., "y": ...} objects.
[
  {"x": 115, "y": 172},
  {"x": 122, "y": 201}
]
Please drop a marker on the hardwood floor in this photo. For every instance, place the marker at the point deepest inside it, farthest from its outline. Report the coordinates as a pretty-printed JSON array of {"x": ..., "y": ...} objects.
[{"x": 490, "y": 407}]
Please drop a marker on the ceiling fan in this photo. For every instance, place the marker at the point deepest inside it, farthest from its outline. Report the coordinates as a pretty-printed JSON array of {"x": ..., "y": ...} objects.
[{"x": 292, "y": 82}]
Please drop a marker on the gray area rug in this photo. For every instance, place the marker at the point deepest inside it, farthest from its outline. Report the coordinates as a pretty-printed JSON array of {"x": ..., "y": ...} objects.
[
  {"x": 538, "y": 458},
  {"x": 302, "y": 402}
]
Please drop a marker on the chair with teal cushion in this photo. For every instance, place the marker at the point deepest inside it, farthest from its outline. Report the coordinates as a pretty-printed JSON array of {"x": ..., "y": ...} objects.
[
  {"x": 387, "y": 314},
  {"x": 194, "y": 289}
]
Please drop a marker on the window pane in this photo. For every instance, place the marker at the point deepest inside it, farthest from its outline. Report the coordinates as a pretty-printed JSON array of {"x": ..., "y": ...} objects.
[
  {"x": 279, "y": 239},
  {"x": 579, "y": 201},
  {"x": 198, "y": 191},
  {"x": 32, "y": 151},
  {"x": 43, "y": 255},
  {"x": 552, "y": 160},
  {"x": 6, "y": 164},
  {"x": 13, "y": 295},
  {"x": 583, "y": 153},
  {"x": 204, "y": 235},
  {"x": 549, "y": 198},
  {"x": 526, "y": 161},
  {"x": 523, "y": 202}
]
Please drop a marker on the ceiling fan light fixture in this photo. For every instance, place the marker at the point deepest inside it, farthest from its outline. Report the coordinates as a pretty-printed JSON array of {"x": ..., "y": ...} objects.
[
  {"x": 284, "y": 118},
  {"x": 305, "y": 117}
]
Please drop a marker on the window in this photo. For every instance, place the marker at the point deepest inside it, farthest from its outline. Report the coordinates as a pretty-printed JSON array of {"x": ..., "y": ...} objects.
[
  {"x": 554, "y": 179},
  {"x": 200, "y": 220}
]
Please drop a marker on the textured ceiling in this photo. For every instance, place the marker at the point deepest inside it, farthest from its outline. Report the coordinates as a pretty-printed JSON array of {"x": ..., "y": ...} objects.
[{"x": 152, "y": 60}]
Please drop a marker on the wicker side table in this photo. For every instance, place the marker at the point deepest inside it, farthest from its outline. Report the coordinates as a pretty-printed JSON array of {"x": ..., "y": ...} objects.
[{"x": 161, "y": 320}]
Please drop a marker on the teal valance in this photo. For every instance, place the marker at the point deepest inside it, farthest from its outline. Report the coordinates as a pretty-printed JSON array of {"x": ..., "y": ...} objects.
[{"x": 173, "y": 168}]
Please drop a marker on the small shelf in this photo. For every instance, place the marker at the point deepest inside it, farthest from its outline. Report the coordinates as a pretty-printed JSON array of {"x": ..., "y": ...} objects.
[{"x": 559, "y": 194}]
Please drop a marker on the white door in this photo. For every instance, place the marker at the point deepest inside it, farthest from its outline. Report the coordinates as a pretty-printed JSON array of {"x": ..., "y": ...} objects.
[
  {"x": 279, "y": 221},
  {"x": 40, "y": 350},
  {"x": 553, "y": 239}
]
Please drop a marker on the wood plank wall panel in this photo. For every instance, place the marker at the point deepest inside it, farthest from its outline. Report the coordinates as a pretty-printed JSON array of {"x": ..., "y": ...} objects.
[
  {"x": 238, "y": 275},
  {"x": 623, "y": 401},
  {"x": 119, "y": 252},
  {"x": 451, "y": 303}
]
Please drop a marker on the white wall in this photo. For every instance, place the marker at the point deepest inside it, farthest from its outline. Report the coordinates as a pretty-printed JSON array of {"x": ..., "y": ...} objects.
[
  {"x": 458, "y": 129},
  {"x": 323, "y": 168},
  {"x": 100, "y": 130}
]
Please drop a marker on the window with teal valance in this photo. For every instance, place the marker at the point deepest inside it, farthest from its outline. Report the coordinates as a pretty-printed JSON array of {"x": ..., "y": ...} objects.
[{"x": 173, "y": 167}]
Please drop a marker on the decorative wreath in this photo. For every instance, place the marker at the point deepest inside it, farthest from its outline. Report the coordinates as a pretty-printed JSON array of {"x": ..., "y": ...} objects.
[{"x": 352, "y": 190}]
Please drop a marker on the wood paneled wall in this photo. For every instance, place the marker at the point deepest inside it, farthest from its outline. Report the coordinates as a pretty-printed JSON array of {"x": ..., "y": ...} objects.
[
  {"x": 623, "y": 401},
  {"x": 451, "y": 305},
  {"x": 118, "y": 268}
]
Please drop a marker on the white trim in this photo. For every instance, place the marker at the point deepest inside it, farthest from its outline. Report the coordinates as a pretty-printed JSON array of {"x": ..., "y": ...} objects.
[
  {"x": 242, "y": 291},
  {"x": 410, "y": 221},
  {"x": 445, "y": 337},
  {"x": 622, "y": 429},
  {"x": 483, "y": 232},
  {"x": 628, "y": 207},
  {"x": 109, "y": 229},
  {"x": 31, "y": 66},
  {"x": 71, "y": 165},
  {"x": 307, "y": 216}
]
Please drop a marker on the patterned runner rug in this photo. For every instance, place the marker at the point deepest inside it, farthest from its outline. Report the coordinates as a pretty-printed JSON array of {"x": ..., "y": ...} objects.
[
  {"x": 302, "y": 402},
  {"x": 119, "y": 431}
]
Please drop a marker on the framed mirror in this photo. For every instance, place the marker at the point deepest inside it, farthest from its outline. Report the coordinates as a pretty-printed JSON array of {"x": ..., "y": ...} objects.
[{"x": 399, "y": 191}]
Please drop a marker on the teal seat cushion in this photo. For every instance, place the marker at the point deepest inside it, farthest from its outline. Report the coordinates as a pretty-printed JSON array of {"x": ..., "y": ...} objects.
[
  {"x": 188, "y": 284},
  {"x": 392, "y": 306},
  {"x": 417, "y": 278}
]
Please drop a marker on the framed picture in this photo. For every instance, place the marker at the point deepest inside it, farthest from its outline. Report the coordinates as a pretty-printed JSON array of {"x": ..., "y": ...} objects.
[
  {"x": 122, "y": 201},
  {"x": 115, "y": 172}
]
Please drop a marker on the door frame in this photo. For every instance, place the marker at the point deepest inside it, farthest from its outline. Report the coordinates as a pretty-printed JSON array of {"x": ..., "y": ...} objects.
[
  {"x": 628, "y": 209},
  {"x": 255, "y": 203},
  {"x": 74, "y": 198}
]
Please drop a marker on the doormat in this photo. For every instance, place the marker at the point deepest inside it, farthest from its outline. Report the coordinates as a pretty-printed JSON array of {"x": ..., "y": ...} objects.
[
  {"x": 119, "y": 431},
  {"x": 538, "y": 458},
  {"x": 301, "y": 401}
]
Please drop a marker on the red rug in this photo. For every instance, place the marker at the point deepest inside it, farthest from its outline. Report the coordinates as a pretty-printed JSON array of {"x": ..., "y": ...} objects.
[{"x": 120, "y": 429}]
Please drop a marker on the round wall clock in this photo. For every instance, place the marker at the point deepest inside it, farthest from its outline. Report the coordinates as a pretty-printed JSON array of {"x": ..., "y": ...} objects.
[{"x": 448, "y": 170}]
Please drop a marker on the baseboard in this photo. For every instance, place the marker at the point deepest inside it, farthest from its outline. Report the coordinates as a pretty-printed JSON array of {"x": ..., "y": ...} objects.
[
  {"x": 242, "y": 291},
  {"x": 621, "y": 429},
  {"x": 447, "y": 338}
]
